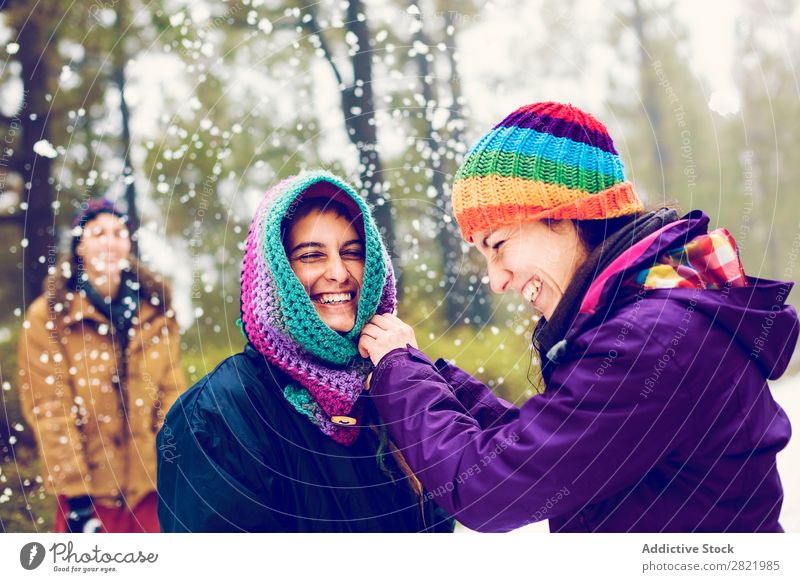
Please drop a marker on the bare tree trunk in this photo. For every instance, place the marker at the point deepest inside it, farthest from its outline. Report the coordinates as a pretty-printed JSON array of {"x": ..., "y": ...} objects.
[
  {"x": 649, "y": 88},
  {"x": 358, "y": 107},
  {"x": 478, "y": 306},
  {"x": 455, "y": 270},
  {"x": 38, "y": 193},
  {"x": 120, "y": 59}
]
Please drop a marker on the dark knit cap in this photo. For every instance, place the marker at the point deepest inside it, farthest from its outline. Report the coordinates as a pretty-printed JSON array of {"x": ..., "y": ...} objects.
[{"x": 87, "y": 211}]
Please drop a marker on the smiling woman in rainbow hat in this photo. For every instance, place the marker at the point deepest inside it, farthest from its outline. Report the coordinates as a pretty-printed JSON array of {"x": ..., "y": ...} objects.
[
  {"x": 277, "y": 438},
  {"x": 656, "y": 413}
]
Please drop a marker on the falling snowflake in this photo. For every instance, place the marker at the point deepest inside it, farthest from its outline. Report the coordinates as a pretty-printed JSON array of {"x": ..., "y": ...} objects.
[
  {"x": 45, "y": 149},
  {"x": 265, "y": 26}
]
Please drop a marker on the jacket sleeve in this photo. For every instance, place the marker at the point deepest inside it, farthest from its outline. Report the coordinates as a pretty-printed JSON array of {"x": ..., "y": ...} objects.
[
  {"x": 478, "y": 400},
  {"x": 46, "y": 398},
  {"x": 590, "y": 435},
  {"x": 173, "y": 382},
  {"x": 211, "y": 477}
]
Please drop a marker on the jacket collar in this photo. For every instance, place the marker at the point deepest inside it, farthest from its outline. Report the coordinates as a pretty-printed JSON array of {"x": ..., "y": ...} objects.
[
  {"x": 79, "y": 308},
  {"x": 642, "y": 255}
]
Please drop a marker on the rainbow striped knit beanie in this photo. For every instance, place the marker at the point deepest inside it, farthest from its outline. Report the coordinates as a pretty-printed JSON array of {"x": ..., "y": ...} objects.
[
  {"x": 279, "y": 319},
  {"x": 546, "y": 160}
]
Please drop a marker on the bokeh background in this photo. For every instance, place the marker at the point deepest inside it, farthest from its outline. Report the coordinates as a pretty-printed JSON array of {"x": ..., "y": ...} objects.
[{"x": 186, "y": 111}]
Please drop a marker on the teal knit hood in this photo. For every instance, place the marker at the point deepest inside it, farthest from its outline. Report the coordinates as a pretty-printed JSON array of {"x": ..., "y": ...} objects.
[{"x": 280, "y": 320}]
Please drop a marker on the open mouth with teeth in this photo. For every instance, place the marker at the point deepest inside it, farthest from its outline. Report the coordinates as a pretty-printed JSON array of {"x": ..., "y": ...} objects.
[
  {"x": 532, "y": 289},
  {"x": 334, "y": 299}
]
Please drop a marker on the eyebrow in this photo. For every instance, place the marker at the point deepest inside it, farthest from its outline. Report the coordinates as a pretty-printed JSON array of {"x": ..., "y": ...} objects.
[
  {"x": 317, "y": 245},
  {"x": 304, "y": 245}
]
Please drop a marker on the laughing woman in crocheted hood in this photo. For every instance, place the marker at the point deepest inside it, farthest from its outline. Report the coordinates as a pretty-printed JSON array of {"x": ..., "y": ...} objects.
[
  {"x": 656, "y": 413},
  {"x": 277, "y": 438}
]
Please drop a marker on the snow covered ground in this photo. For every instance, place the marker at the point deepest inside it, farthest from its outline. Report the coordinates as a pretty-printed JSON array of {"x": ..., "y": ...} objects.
[{"x": 787, "y": 394}]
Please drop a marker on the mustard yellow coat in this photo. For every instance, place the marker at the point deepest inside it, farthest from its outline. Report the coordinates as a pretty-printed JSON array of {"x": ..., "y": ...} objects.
[{"x": 95, "y": 437}]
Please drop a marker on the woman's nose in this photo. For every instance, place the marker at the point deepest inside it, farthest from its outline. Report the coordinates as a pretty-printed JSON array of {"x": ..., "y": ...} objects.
[
  {"x": 499, "y": 279},
  {"x": 337, "y": 271}
]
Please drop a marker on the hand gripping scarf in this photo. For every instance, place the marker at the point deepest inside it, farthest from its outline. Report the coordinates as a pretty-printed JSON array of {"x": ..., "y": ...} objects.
[{"x": 280, "y": 321}]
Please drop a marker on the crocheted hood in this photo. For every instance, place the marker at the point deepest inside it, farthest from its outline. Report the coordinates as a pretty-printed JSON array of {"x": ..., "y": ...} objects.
[{"x": 280, "y": 321}]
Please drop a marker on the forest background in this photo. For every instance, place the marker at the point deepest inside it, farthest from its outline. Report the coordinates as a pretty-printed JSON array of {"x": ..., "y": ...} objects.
[{"x": 185, "y": 112}]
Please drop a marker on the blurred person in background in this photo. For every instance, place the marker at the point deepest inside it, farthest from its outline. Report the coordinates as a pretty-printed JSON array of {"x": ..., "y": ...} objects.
[
  {"x": 655, "y": 348},
  {"x": 99, "y": 366},
  {"x": 278, "y": 438}
]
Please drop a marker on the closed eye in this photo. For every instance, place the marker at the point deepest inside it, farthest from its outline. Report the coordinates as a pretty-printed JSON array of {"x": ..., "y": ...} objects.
[
  {"x": 353, "y": 250},
  {"x": 496, "y": 246},
  {"x": 308, "y": 257},
  {"x": 353, "y": 254}
]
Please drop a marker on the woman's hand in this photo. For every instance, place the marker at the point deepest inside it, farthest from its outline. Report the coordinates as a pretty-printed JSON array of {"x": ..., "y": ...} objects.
[{"x": 383, "y": 334}]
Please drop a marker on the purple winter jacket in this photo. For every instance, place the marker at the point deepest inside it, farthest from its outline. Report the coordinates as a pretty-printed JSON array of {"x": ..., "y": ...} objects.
[{"x": 657, "y": 418}]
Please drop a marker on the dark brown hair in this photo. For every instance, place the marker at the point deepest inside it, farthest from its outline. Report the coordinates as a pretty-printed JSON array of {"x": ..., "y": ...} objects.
[
  {"x": 302, "y": 207},
  {"x": 592, "y": 233}
]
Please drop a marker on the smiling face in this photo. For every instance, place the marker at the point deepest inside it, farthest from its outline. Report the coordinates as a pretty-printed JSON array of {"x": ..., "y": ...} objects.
[
  {"x": 532, "y": 259},
  {"x": 105, "y": 246},
  {"x": 327, "y": 256}
]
